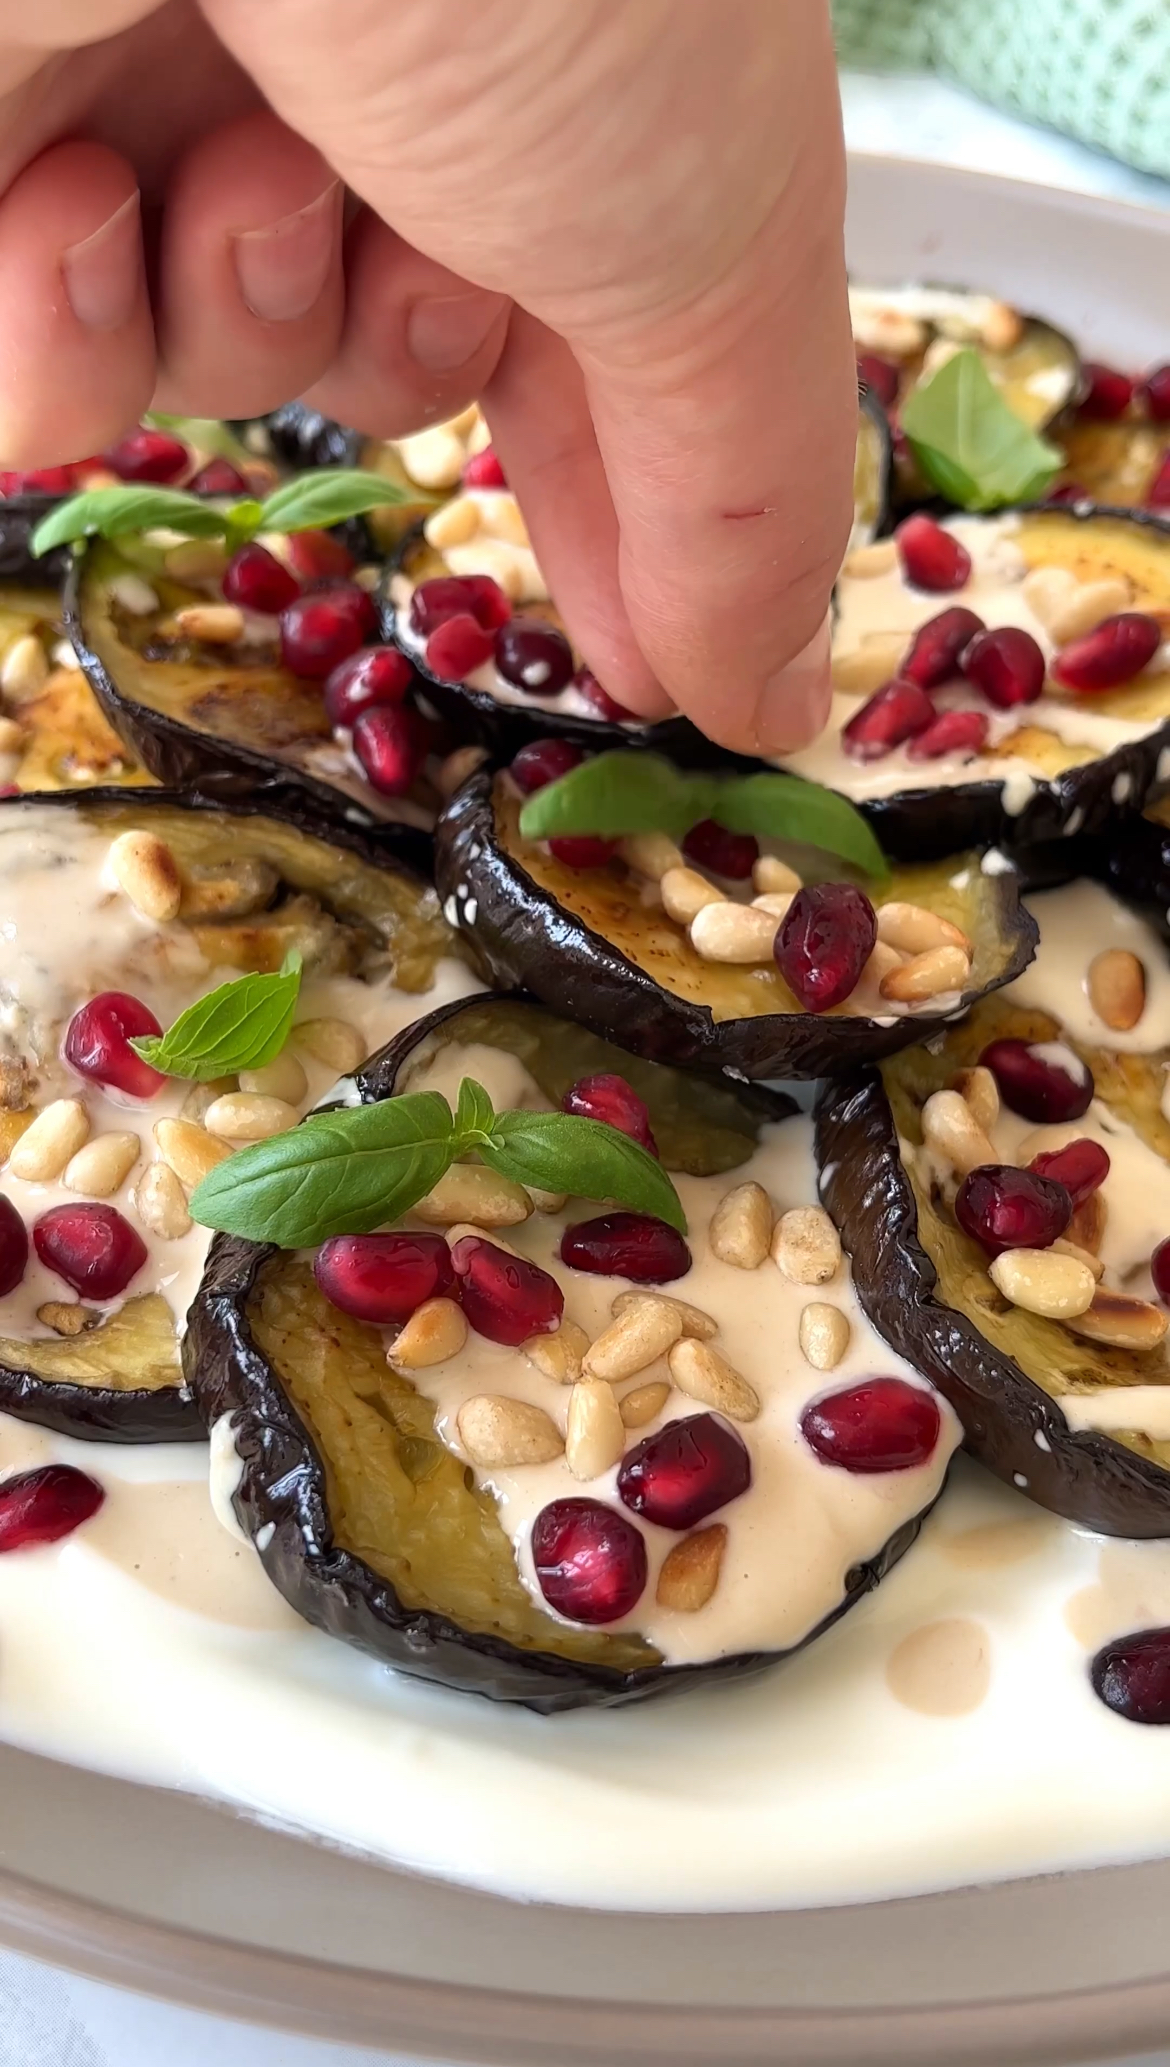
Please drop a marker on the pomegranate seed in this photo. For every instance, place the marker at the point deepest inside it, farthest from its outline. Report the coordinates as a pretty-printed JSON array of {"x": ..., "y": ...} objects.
[
  {"x": 711, "y": 846},
  {"x": 489, "y": 605},
  {"x": 684, "y": 1471},
  {"x": 1159, "y": 494},
  {"x": 608, "y": 1097},
  {"x": 600, "y": 701},
  {"x": 218, "y": 477},
  {"x": 505, "y": 1298},
  {"x": 1001, "y": 1208},
  {"x": 41, "y": 481},
  {"x": 92, "y": 1247},
  {"x": 1036, "y": 1087},
  {"x": 590, "y": 1561},
  {"x": 383, "y": 1277},
  {"x": 879, "y": 376},
  {"x": 582, "y": 850},
  {"x": 318, "y": 556},
  {"x": 255, "y": 579},
  {"x": 1067, "y": 491},
  {"x": 97, "y": 1044},
  {"x": 42, "y": 1506},
  {"x": 319, "y": 631},
  {"x": 626, "y": 1245},
  {"x": 13, "y": 1247},
  {"x": 1155, "y": 393},
  {"x": 931, "y": 557},
  {"x": 534, "y": 656},
  {"x": 456, "y": 595},
  {"x": 1081, "y": 1168},
  {"x": 148, "y": 456},
  {"x": 373, "y": 675},
  {"x": 544, "y": 761},
  {"x": 1006, "y": 665},
  {"x": 1160, "y": 1271},
  {"x": 391, "y": 741},
  {"x": 1131, "y": 1675},
  {"x": 1117, "y": 650},
  {"x": 825, "y": 939},
  {"x": 937, "y": 644},
  {"x": 457, "y": 647},
  {"x": 1108, "y": 393},
  {"x": 891, "y": 716},
  {"x": 955, "y": 732},
  {"x": 883, "y": 1424},
  {"x": 483, "y": 470}
]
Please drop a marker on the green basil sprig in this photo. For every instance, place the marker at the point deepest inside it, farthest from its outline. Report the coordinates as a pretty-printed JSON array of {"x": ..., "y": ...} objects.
[
  {"x": 355, "y": 1169},
  {"x": 618, "y": 793},
  {"x": 239, "y": 1025},
  {"x": 308, "y": 503},
  {"x": 970, "y": 445}
]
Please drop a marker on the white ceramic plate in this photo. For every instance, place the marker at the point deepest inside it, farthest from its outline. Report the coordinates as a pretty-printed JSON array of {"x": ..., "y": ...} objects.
[{"x": 166, "y": 1894}]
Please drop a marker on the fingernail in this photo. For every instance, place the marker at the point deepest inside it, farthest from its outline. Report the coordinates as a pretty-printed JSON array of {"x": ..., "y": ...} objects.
[
  {"x": 103, "y": 274},
  {"x": 794, "y": 705},
  {"x": 446, "y": 330},
  {"x": 283, "y": 267}
]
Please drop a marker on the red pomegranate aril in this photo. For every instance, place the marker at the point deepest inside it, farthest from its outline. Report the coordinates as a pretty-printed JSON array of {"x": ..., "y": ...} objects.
[
  {"x": 218, "y": 477},
  {"x": 891, "y": 716},
  {"x": 91, "y": 1246},
  {"x": 383, "y": 1277},
  {"x": 711, "y": 846},
  {"x": 626, "y": 1245},
  {"x": 505, "y": 1298},
  {"x": 255, "y": 579},
  {"x": 489, "y": 604},
  {"x": 319, "y": 556},
  {"x": 40, "y": 481},
  {"x": 44, "y": 1505},
  {"x": 371, "y": 676},
  {"x": 1155, "y": 394},
  {"x": 955, "y": 732},
  {"x": 610, "y": 1099},
  {"x": 448, "y": 595},
  {"x": 1131, "y": 1675},
  {"x": 457, "y": 647},
  {"x": 1006, "y": 666},
  {"x": 148, "y": 456},
  {"x": 543, "y": 761},
  {"x": 590, "y": 1562},
  {"x": 1001, "y": 1208},
  {"x": 883, "y": 1424},
  {"x": 1160, "y": 1271},
  {"x": 880, "y": 376},
  {"x": 1108, "y": 393},
  {"x": 1081, "y": 1168},
  {"x": 13, "y": 1247},
  {"x": 824, "y": 941},
  {"x": 685, "y": 1471},
  {"x": 1034, "y": 1086},
  {"x": 931, "y": 557},
  {"x": 97, "y": 1044},
  {"x": 483, "y": 470},
  {"x": 935, "y": 648},
  {"x": 1067, "y": 491},
  {"x": 1113, "y": 653},
  {"x": 534, "y": 656},
  {"x": 582, "y": 850},
  {"x": 600, "y": 702},
  {"x": 1159, "y": 493},
  {"x": 391, "y": 742},
  {"x": 319, "y": 631}
]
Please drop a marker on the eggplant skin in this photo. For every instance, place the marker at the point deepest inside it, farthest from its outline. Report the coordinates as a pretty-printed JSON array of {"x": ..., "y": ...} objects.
[
  {"x": 1078, "y": 1473},
  {"x": 303, "y": 438},
  {"x": 19, "y": 517}
]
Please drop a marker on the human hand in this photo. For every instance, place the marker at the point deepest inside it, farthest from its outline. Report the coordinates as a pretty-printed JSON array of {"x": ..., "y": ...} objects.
[{"x": 618, "y": 222}]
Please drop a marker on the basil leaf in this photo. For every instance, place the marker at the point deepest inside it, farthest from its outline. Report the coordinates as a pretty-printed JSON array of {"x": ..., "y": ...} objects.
[
  {"x": 785, "y": 807},
  {"x": 618, "y": 793},
  {"x": 239, "y": 1025},
  {"x": 107, "y": 512},
  {"x": 343, "y": 1172},
  {"x": 970, "y": 445},
  {"x": 324, "y": 497},
  {"x": 474, "y": 1116},
  {"x": 559, "y": 1151}
]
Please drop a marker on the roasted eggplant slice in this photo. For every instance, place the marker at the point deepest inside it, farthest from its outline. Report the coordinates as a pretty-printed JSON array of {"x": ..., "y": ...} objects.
[
  {"x": 367, "y": 1491},
  {"x": 304, "y": 438},
  {"x": 1055, "y": 1358},
  {"x": 98, "y": 1357},
  {"x": 902, "y": 332},
  {"x": 871, "y": 472}
]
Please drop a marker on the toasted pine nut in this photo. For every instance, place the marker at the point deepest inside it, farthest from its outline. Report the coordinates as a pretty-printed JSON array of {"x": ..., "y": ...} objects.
[
  {"x": 546, "y": 1201},
  {"x": 1067, "y": 1248},
  {"x": 434, "y": 457},
  {"x": 201, "y": 1097},
  {"x": 11, "y": 736},
  {"x": 453, "y": 524},
  {"x": 233, "y": 892},
  {"x": 730, "y": 932},
  {"x": 824, "y": 1335},
  {"x": 144, "y": 868},
  {"x": 774, "y": 902},
  {"x": 103, "y": 1165},
  {"x": 1057, "y": 1286},
  {"x": 1122, "y": 1321},
  {"x": 490, "y": 556},
  {"x": 651, "y": 854},
  {"x": 690, "y": 1570},
  {"x": 284, "y": 1078},
  {"x": 889, "y": 332},
  {"x": 195, "y": 560},
  {"x": 867, "y": 996},
  {"x": 867, "y": 560},
  {"x": 66, "y": 1316},
  {"x": 940, "y": 969},
  {"x": 160, "y": 1203},
  {"x": 469, "y": 1191},
  {"x": 700, "y": 1372},
  {"x": 452, "y": 773},
  {"x": 558, "y": 1356},
  {"x": 1087, "y": 1226},
  {"x": 1117, "y": 988},
  {"x": 25, "y": 669},
  {"x": 694, "y": 1321},
  {"x": 134, "y": 594},
  {"x": 502, "y": 517},
  {"x": 806, "y": 1246},
  {"x": 741, "y": 1227},
  {"x": 1048, "y": 591},
  {"x": 335, "y": 1042},
  {"x": 912, "y": 928},
  {"x": 497, "y": 1431},
  {"x": 435, "y": 1332},
  {"x": 639, "y": 1336},
  {"x": 45, "y": 1147},
  {"x": 981, "y": 1092},
  {"x": 644, "y": 1402},
  {"x": 217, "y": 624},
  {"x": 950, "y": 1129},
  {"x": 685, "y": 893},
  {"x": 869, "y": 666},
  {"x": 1001, "y": 327},
  {"x": 249, "y": 1116},
  {"x": 771, "y": 874},
  {"x": 1089, "y": 603},
  {"x": 595, "y": 1434},
  {"x": 477, "y": 433},
  {"x": 189, "y": 1150}
]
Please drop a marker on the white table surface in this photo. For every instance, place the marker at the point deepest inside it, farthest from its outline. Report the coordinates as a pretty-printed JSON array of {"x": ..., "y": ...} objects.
[{"x": 51, "y": 2019}]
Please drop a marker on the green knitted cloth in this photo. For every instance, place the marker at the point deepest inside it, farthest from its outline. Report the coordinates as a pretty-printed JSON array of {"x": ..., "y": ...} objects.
[{"x": 1098, "y": 70}]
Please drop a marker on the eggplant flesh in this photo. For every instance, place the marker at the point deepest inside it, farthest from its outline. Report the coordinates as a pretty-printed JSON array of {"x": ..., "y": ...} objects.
[{"x": 1114, "y": 463}]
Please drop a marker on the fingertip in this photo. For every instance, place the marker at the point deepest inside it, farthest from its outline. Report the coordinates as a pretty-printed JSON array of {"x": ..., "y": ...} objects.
[{"x": 793, "y": 705}]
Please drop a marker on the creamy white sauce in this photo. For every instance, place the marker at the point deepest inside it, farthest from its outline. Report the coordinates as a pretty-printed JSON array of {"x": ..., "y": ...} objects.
[{"x": 1077, "y": 922}]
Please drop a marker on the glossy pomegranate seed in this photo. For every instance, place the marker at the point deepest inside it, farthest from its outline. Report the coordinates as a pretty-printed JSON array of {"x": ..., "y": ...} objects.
[
  {"x": 824, "y": 941},
  {"x": 590, "y": 1561},
  {"x": 1001, "y": 1208},
  {"x": 391, "y": 742},
  {"x": 383, "y": 1277},
  {"x": 711, "y": 846},
  {"x": 505, "y": 1298},
  {"x": 218, "y": 477},
  {"x": 883, "y": 1424},
  {"x": 92, "y": 1247},
  {"x": 891, "y": 716},
  {"x": 931, "y": 557},
  {"x": 682, "y": 1473},
  {"x": 255, "y": 579},
  {"x": 41, "y": 481},
  {"x": 626, "y": 1245},
  {"x": 1155, "y": 394},
  {"x": 1006, "y": 665},
  {"x": 544, "y": 761},
  {"x": 1113, "y": 653},
  {"x": 457, "y": 647},
  {"x": 935, "y": 648},
  {"x": 457, "y": 595},
  {"x": 483, "y": 470},
  {"x": 955, "y": 732},
  {"x": 13, "y": 1247},
  {"x": 318, "y": 556},
  {"x": 148, "y": 456},
  {"x": 1160, "y": 1271},
  {"x": 319, "y": 631},
  {"x": 600, "y": 701},
  {"x": 880, "y": 376},
  {"x": 1159, "y": 495},
  {"x": 582, "y": 850},
  {"x": 1108, "y": 393},
  {"x": 373, "y": 675},
  {"x": 1131, "y": 1675},
  {"x": 1081, "y": 1168},
  {"x": 42, "y": 1506},
  {"x": 489, "y": 604},
  {"x": 97, "y": 1044},
  {"x": 609, "y": 1098},
  {"x": 1035, "y": 1086},
  {"x": 534, "y": 656}
]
